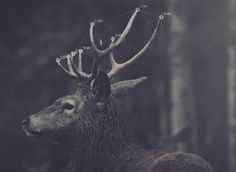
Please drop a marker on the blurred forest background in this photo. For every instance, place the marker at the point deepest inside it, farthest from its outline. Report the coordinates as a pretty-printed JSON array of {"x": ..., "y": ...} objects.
[{"x": 191, "y": 68}]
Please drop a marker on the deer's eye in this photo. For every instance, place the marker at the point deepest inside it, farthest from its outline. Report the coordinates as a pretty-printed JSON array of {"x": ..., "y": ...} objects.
[{"x": 67, "y": 106}]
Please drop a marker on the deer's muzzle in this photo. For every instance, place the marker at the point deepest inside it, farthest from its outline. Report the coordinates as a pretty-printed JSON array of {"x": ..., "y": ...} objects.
[{"x": 28, "y": 130}]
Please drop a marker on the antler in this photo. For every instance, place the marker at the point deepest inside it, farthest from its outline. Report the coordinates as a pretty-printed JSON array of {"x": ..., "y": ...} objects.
[
  {"x": 116, "y": 67},
  {"x": 77, "y": 71},
  {"x": 102, "y": 53},
  {"x": 74, "y": 70}
]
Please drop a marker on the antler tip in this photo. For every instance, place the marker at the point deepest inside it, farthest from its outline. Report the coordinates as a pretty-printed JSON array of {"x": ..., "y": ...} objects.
[
  {"x": 113, "y": 38},
  {"x": 161, "y": 17},
  {"x": 92, "y": 23},
  {"x": 58, "y": 60},
  {"x": 73, "y": 53},
  {"x": 81, "y": 51},
  {"x": 143, "y": 78},
  {"x": 137, "y": 9}
]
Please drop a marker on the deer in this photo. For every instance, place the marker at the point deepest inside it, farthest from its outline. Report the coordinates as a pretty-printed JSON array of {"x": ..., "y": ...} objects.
[{"x": 88, "y": 124}]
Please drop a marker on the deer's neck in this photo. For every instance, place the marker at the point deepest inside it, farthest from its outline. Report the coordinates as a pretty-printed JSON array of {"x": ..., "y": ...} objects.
[{"x": 103, "y": 146}]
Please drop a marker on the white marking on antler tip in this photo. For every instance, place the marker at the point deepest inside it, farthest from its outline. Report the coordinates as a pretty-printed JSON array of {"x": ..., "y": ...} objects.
[
  {"x": 137, "y": 9},
  {"x": 81, "y": 51},
  {"x": 113, "y": 38},
  {"x": 161, "y": 17},
  {"x": 58, "y": 60},
  {"x": 73, "y": 53}
]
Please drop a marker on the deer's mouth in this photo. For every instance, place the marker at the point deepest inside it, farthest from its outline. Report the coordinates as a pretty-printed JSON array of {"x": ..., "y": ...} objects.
[{"x": 32, "y": 133}]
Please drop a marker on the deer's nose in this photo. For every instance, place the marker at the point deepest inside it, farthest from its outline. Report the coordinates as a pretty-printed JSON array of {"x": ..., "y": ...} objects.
[{"x": 26, "y": 122}]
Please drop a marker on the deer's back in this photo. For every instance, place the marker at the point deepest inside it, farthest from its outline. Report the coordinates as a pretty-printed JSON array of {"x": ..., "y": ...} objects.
[
  {"x": 184, "y": 162},
  {"x": 156, "y": 161}
]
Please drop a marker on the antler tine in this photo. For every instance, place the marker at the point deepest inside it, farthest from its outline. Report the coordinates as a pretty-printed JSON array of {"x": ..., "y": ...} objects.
[
  {"x": 74, "y": 70},
  {"x": 80, "y": 60},
  {"x": 77, "y": 70},
  {"x": 70, "y": 70},
  {"x": 116, "y": 67},
  {"x": 121, "y": 38},
  {"x": 102, "y": 53},
  {"x": 111, "y": 54}
]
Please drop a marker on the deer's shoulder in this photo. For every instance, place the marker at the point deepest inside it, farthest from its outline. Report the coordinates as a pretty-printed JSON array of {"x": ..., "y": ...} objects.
[{"x": 136, "y": 158}]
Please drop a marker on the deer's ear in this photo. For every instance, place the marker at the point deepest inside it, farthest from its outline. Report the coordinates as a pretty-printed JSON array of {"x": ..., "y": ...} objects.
[
  {"x": 121, "y": 89},
  {"x": 101, "y": 86}
]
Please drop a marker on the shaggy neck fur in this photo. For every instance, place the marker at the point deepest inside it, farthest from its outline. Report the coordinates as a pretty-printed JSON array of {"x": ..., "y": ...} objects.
[{"x": 101, "y": 143}]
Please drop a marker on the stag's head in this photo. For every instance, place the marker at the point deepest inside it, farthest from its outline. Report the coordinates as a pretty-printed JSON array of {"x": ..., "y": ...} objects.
[{"x": 93, "y": 100}]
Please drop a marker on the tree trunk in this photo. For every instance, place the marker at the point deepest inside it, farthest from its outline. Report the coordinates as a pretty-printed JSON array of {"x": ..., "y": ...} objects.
[
  {"x": 181, "y": 92},
  {"x": 232, "y": 87}
]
